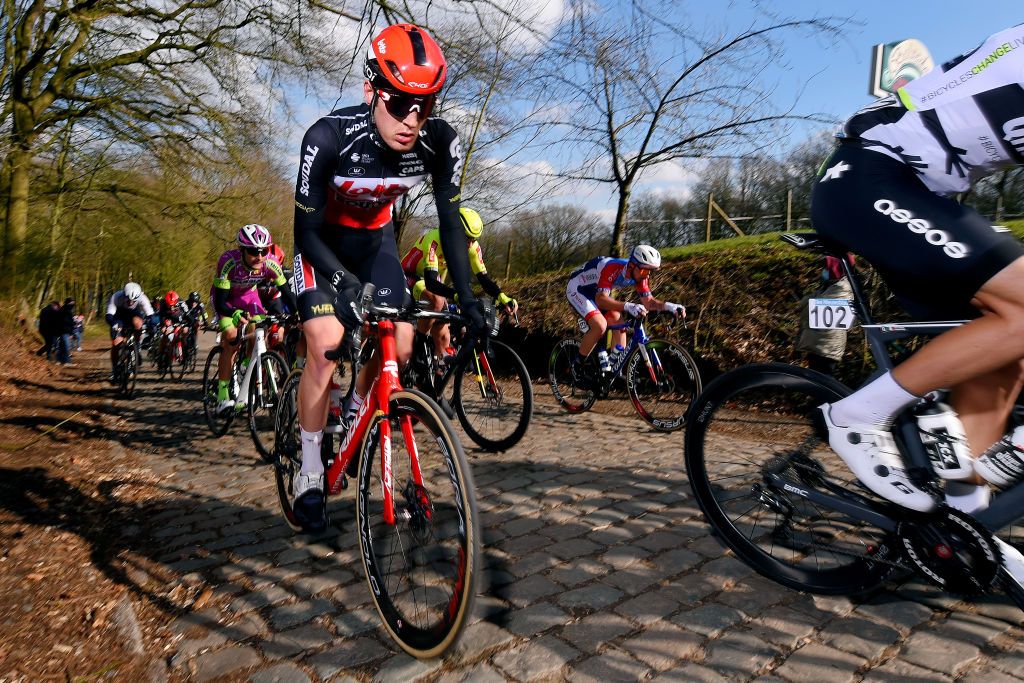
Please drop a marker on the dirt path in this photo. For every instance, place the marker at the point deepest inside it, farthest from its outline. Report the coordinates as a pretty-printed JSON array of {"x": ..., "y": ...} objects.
[{"x": 138, "y": 547}]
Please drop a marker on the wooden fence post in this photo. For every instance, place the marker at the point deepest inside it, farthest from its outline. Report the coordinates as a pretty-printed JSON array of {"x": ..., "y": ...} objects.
[
  {"x": 707, "y": 223},
  {"x": 508, "y": 260},
  {"x": 789, "y": 209}
]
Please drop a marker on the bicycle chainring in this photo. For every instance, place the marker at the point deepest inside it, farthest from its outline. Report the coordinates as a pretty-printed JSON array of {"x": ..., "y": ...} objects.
[{"x": 952, "y": 550}]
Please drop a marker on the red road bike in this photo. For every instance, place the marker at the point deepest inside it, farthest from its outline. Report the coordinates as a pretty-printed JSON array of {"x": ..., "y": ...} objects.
[{"x": 415, "y": 507}]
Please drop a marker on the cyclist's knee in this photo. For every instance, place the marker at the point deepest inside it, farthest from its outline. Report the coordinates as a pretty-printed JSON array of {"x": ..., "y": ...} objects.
[
  {"x": 598, "y": 323},
  {"x": 322, "y": 335}
]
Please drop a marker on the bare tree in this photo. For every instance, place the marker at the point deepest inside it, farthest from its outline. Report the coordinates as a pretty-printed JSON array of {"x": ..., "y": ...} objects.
[
  {"x": 645, "y": 89},
  {"x": 162, "y": 78}
]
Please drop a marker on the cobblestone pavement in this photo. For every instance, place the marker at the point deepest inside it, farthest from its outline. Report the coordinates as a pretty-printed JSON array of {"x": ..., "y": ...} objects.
[{"x": 597, "y": 567}]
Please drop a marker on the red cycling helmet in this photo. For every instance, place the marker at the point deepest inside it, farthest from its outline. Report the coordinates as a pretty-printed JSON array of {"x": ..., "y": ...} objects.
[
  {"x": 172, "y": 298},
  {"x": 277, "y": 253},
  {"x": 404, "y": 58}
]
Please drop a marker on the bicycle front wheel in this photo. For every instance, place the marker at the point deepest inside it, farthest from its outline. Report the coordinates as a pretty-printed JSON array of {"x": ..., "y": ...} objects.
[
  {"x": 663, "y": 389},
  {"x": 219, "y": 423},
  {"x": 756, "y": 421},
  {"x": 180, "y": 365},
  {"x": 422, "y": 568},
  {"x": 263, "y": 395},
  {"x": 493, "y": 397},
  {"x": 129, "y": 363},
  {"x": 571, "y": 396}
]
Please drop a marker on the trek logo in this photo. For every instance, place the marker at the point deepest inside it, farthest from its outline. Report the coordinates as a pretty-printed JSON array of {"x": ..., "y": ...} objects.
[
  {"x": 307, "y": 164},
  {"x": 368, "y": 189},
  {"x": 1014, "y": 130},
  {"x": 939, "y": 238}
]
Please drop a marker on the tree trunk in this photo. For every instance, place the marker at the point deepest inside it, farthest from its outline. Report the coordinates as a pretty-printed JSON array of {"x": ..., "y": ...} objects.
[
  {"x": 16, "y": 227},
  {"x": 620, "y": 220}
]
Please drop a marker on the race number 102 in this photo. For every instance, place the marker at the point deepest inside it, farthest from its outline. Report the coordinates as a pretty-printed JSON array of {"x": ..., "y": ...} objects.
[{"x": 830, "y": 314}]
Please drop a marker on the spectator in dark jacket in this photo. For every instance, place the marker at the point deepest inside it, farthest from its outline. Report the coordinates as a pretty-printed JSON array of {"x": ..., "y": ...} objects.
[{"x": 49, "y": 326}]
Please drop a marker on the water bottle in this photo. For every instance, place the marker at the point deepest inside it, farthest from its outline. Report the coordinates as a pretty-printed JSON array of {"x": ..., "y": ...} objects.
[
  {"x": 616, "y": 354},
  {"x": 944, "y": 440},
  {"x": 334, "y": 411},
  {"x": 1003, "y": 463},
  {"x": 603, "y": 362}
]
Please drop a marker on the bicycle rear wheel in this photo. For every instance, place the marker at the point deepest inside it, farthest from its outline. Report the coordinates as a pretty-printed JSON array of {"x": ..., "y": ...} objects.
[
  {"x": 662, "y": 395},
  {"x": 421, "y": 569},
  {"x": 573, "y": 398},
  {"x": 757, "y": 420},
  {"x": 219, "y": 423},
  {"x": 262, "y": 401},
  {"x": 493, "y": 397}
]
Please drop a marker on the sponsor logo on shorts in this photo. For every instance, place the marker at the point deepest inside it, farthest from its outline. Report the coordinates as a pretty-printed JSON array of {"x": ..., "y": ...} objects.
[
  {"x": 383, "y": 291},
  {"x": 322, "y": 309},
  {"x": 1014, "y": 133},
  {"x": 920, "y": 226}
]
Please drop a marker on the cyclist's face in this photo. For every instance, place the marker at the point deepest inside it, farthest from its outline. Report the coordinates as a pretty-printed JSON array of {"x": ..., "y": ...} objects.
[
  {"x": 398, "y": 134},
  {"x": 254, "y": 257}
]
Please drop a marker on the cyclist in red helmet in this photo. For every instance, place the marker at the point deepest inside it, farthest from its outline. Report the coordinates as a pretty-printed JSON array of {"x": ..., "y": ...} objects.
[{"x": 354, "y": 164}]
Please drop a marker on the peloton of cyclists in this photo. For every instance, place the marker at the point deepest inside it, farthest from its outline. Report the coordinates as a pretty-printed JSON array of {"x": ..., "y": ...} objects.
[
  {"x": 425, "y": 270},
  {"x": 236, "y": 299},
  {"x": 354, "y": 164},
  {"x": 885, "y": 195},
  {"x": 128, "y": 308},
  {"x": 590, "y": 294}
]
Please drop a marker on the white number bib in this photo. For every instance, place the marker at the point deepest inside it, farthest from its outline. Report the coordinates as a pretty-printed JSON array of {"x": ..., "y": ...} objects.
[{"x": 830, "y": 314}]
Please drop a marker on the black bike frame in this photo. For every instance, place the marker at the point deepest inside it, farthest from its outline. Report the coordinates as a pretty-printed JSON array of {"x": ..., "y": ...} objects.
[{"x": 1006, "y": 507}]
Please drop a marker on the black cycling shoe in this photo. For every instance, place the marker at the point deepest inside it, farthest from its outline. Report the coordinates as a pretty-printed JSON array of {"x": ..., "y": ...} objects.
[
  {"x": 310, "y": 509},
  {"x": 580, "y": 377}
]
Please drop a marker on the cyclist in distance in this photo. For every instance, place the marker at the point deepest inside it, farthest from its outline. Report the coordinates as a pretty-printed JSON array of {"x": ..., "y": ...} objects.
[
  {"x": 195, "y": 310},
  {"x": 590, "y": 294},
  {"x": 354, "y": 164},
  {"x": 171, "y": 312},
  {"x": 886, "y": 194},
  {"x": 128, "y": 308},
  {"x": 236, "y": 298},
  {"x": 426, "y": 270}
]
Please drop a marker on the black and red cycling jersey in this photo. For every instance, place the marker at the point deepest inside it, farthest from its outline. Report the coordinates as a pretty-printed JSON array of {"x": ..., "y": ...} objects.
[{"x": 349, "y": 179}]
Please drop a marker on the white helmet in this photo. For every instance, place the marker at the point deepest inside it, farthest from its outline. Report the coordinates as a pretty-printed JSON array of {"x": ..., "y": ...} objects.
[
  {"x": 646, "y": 256},
  {"x": 254, "y": 236},
  {"x": 132, "y": 291}
]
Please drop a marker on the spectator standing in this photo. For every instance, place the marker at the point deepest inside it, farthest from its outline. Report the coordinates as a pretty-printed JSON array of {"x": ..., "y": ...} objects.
[
  {"x": 48, "y": 327},
  {"x": 79, "y": 332},
  {"x": 65, "y": 328}
]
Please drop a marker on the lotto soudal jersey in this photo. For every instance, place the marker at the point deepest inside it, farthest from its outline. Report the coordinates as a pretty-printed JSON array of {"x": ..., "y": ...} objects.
[
  {"x": 959, "y": 122},
  {"x": 354, "y": 181}
]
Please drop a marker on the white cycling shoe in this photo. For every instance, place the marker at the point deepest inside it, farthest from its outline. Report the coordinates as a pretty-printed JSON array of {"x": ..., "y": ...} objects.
[
  {"x": 872, "y": 456},
  {"x": 226, "y": 404}
]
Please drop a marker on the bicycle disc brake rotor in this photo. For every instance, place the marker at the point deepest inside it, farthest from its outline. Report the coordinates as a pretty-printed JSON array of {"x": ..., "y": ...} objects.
[
  {"x": 421, "y": 511},
  {"x": 952, "y": 550}
]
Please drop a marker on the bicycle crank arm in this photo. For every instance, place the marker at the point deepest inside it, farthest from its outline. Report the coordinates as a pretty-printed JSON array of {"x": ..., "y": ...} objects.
[{"x": 844, "y": 505}]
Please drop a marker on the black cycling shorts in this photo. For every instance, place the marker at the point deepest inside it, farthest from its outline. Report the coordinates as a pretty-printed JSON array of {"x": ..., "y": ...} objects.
[
  {"x": 934, "y": 253},
  {"x": 370, "y": 255}
]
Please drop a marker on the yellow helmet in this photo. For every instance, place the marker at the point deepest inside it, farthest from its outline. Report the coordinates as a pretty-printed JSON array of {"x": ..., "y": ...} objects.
[{"x": 472, "y": 223}]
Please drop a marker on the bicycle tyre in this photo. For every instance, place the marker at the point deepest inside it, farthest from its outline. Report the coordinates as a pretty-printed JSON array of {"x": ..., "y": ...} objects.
[
  {"x": 219, "y": 423},
  {"x": 574, "y": 399},
  {"x": 287, "y": 453},
  {"x": 491, "y": 420},
  {"x": 740, "y": 420},
  {"x": 180, "y": 365},
  {"x": 129, "y": 370},
  {"x": 261, "y": 402},
  {"x": 434, "y": 535},
  {"x": 681, "y": 384}
]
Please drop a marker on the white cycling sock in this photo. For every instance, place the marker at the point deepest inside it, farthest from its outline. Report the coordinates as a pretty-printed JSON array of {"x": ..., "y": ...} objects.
[
  {"x": 311, "y": 462},
  {"x": 969, "y": 498},
  {"x": 352, "y": 405},
  {"x": 875, "y": 404}
]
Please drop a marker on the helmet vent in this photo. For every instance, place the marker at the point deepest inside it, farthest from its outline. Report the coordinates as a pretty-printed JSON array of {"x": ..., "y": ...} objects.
[
  {"x": 419, "y": 51},
  {"x": 394, "y": 71}
]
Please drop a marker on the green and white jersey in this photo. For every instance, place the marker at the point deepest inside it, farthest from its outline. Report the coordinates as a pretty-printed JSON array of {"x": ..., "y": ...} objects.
[{"x": 958, "y": 123}]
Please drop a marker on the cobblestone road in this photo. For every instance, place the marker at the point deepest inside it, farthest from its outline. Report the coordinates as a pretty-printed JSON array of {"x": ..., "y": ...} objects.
[{"x": 597, "y": 564}]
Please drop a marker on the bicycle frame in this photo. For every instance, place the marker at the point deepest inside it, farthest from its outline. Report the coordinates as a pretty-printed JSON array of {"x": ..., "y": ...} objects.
[
  {"x": 377, "y": 403},
  {"x": 638, "y": 338},
  {"x": 1006, "y": 507},
  {"x": 259, "y": 347}
]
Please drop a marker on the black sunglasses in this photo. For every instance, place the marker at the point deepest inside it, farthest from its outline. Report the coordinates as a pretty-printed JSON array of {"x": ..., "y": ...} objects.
[
  {"x": 401, "y": 105},
  {"x": 256, "y": 251}
]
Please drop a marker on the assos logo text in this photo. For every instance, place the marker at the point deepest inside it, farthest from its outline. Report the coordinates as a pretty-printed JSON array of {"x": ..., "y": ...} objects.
[
  {"x": 307, "y": 163},
  {"x": 939, "y": 238},
  {"x": 1014, "y": 129}
]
